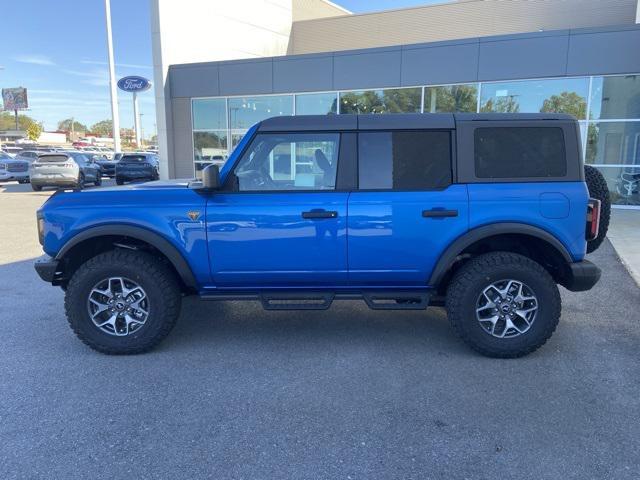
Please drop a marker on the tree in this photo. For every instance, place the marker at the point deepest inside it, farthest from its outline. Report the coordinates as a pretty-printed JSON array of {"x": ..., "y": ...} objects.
[
  {"x": 455, "y": 98},
  {"x": 103, "y": 128},
  {"x": 33, "y": 131},
  {"x": 8, "y": 121},
  {"x": 566, "y": 102},
  {"x": 387, "y": 101},
  {"x": 65, "y": 125},
  {"x": 507, "y": 104}
]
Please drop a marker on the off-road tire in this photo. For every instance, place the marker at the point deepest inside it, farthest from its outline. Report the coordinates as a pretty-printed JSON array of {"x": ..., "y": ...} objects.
[
  {"x": 598, "y": 188},
  {"x": 36, "y": 188},
  {"x": 473, "y": 277},
  {"x": 153, "y": 275}
]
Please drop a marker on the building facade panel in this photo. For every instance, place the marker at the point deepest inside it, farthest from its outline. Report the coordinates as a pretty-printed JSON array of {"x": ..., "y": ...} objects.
[
  {"x": 302, "y": 74},
  {"x": 194, "y": 81},
  {"x": 441, "y": 64},
  {"x": 237, "y": 78},
  {"x": 602, "y": 52},
  {"x": 369, "y": 69},
  {"x": 523, "y": 58}
]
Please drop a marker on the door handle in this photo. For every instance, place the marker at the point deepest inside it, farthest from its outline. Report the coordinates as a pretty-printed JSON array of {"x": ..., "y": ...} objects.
[
  {"x": 439, "y": 213},
  {"x": 319, "y": 214}
]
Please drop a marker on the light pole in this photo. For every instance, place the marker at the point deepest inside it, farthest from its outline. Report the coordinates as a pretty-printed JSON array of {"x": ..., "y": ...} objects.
[{"x": 112, "y": 80}]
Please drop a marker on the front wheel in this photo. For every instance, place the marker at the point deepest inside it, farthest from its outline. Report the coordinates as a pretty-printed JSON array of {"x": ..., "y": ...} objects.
[
  {"x": 36, "y": 188},
  {"x": 98, "y": 181},
  {"x": 80, "y": 182},
  {"x": 122, "y": 302},
  {"x": 503, "y": 305},
  {"x": 119, "y": 181}
]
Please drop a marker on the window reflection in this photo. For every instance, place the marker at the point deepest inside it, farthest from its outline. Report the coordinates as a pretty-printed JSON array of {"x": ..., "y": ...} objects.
[
  {"x": 451, "y": 98},
  {"x": 209, "y": 114},
  {"x": 247, "y": 111},
  {"x": 551, "y": 96},
  {"x": 207, "y": 145},
  {"x": 615, "y": 97},
  {"x": 401, "y": 100},
  {"x": 613, "y": 143},
  {"x": 624, "y": 184},
  {"x": 317, "y": 104}
]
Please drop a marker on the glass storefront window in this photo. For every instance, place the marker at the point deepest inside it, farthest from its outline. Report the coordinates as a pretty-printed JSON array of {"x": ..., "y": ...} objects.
[
  {"x": 209, "y": 144},
  {"x": 317, "y": 104},
  {"x": 615, "y": 97},
  {"x": 247, "y": 111},
  {"x": 566, "y": 95},
  {"x": 451, "y": 98},
  {"x": 624, "y": 184},
  {"x": 209, "y": 114},
  {"x": 400, "y": 100},
  {"x": 613, "y": 143}
]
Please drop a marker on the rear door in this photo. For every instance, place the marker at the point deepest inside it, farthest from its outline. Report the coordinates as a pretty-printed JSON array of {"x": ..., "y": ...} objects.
[{"x": 406, "y": 210}]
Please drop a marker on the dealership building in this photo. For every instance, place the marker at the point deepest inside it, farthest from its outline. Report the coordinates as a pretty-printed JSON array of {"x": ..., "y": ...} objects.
[{"x": 222, "y": 66}]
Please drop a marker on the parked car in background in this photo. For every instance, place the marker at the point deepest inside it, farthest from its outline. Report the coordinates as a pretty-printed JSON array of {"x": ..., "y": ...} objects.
[
  {"x": 107, "y": 166},
  {"x": 12, "y": 169},
  {"x": 11, "y": 149},
  {"x": 28, "y": 155},
  {"x": 137, "y": 166},
  {"x": 64, "y": 169}
]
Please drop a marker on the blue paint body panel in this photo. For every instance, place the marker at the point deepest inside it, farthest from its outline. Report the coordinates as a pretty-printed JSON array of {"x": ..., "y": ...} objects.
[
  {"x": 525, "y": 203},
  {"x": 152, "y": 206},
  {"x": 391, "y": 243},
  {"x": 261, "y": 240}
]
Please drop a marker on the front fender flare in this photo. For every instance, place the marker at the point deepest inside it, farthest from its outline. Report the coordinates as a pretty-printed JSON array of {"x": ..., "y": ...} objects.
[
  {"x": 156, "y": 240},
  {"x": 472, "y": 236}
]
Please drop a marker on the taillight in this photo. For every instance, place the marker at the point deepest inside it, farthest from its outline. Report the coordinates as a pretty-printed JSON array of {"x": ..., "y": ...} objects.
[{"x": 593, "y": 218}]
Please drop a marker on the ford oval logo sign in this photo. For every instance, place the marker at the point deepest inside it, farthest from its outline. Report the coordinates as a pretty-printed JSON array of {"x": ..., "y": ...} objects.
[{"x": 134, "y": 84}]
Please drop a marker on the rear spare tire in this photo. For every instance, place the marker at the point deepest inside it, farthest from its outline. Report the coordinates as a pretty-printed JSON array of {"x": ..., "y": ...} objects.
[{"x": 598, "y": 189}]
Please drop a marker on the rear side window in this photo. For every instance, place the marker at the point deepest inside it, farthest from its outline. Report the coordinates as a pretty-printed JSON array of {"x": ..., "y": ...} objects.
[
  {"x": 519, "y": 152},
  {"x": 404, "y": 160}
]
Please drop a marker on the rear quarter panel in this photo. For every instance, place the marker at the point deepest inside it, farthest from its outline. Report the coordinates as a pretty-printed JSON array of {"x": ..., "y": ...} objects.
[{"x": 559, "y": 208}]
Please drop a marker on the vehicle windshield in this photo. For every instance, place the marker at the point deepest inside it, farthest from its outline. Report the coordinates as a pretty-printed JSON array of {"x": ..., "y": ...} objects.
[{"x": 133, "y": 159}]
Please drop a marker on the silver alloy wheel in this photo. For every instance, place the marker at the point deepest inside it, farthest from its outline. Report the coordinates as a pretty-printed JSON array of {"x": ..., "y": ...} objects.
[
  {"x": 507, "y": 308},
  {"x": 118, "y": 306}
]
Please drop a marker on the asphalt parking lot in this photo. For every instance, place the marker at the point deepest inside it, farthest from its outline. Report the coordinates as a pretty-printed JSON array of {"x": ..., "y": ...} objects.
[{"x": 236, "y": 392}]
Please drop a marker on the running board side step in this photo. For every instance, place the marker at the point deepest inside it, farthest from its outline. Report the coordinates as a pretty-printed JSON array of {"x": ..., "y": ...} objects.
[
  {"x": 322, "y": 300},
  {"x": 296, "y": 300}
]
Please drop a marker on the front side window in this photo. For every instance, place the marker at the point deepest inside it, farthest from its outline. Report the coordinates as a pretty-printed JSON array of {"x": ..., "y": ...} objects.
[
  {"x": 404, "y": 160},
  {"x": 519, "y": 152},
  {"x": 289, "y": 162}
]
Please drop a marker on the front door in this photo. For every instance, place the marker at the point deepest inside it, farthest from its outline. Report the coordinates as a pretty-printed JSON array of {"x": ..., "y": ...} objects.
[
  {"x": 406, "y": 210},
  {"x": 282, "y": 224}
]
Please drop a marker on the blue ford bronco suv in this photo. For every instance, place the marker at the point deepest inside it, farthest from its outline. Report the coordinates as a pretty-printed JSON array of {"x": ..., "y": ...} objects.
[{"x": 484, "y": 214}]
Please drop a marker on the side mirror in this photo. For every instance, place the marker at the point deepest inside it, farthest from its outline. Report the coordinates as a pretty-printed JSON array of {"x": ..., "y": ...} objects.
[{"x": 211, "y": 178}]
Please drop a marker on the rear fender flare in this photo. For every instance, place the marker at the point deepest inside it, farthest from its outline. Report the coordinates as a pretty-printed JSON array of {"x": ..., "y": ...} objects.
[{"x": 472, "y": 236}]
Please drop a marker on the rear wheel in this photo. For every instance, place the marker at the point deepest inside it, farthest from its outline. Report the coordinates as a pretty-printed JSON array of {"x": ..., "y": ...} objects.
[
  {"x": 122, "y": 302},
  {"x": 98, "y": 181},
  {"x": 80, "y": 183},
  {"x": 598, "y": 189},
  {"x": 503, "y": 304},
  {"x": 119, "y": 181}
]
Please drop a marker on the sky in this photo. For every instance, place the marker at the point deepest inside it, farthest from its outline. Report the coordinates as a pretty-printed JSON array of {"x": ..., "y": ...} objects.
[{"x": 60, "y": 56}]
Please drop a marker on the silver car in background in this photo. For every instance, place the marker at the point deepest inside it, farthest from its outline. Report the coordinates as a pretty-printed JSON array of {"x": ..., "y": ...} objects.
[
  {"x": 13, "y": 169},
  {"x": 64, "y": 169}
]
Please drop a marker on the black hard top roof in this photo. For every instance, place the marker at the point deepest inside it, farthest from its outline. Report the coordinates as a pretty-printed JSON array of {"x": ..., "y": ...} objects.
[{"x": 395, "y": 121}]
